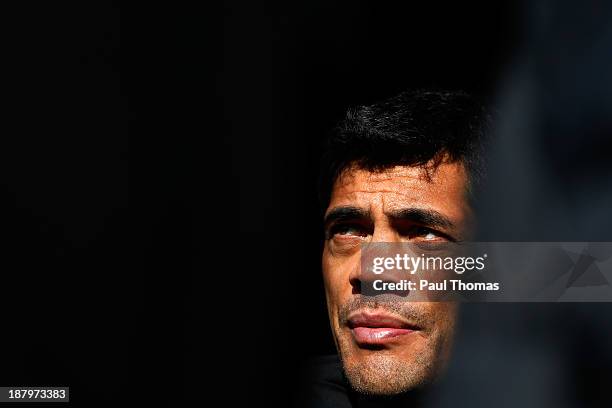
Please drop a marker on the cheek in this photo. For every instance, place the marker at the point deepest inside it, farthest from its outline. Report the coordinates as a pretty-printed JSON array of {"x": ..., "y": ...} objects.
[
  {"x": 331, "y": 283},
  {"x": 336, "y": 275},
  {"x": 330, "y": 279},
  {"x": 338, "y": 289},
  {"x": 446, "y": 315}
]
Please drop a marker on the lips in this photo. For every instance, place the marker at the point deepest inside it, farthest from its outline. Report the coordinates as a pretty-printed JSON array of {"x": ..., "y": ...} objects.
[{"x": 376, "y": 328}]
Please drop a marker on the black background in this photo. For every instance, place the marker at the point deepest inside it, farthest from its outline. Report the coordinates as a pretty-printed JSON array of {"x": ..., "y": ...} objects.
[
  {"x": 289, "y": 73},
  {"x": 161, "y": 234}
]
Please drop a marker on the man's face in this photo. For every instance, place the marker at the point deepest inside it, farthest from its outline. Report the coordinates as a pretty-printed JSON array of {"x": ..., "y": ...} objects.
[{"x": 390, "y": 346}]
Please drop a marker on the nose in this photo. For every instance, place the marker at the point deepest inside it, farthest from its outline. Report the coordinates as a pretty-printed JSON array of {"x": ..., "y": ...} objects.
[
  {"x": 384, "y": 233},
  {"x": 383, "y": 244}
]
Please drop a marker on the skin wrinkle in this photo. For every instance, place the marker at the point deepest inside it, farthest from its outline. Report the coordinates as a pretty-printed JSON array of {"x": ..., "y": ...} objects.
[
  {"x": 406, "y": 185},
  {"x": 412, "y": 360}
]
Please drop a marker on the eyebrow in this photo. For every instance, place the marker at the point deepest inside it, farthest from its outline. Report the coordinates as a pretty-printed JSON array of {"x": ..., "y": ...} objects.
[
  {"x": 426, "y": 217},
  {"x": 430, "y": 218},
  {"x": 345, "y": 213}
]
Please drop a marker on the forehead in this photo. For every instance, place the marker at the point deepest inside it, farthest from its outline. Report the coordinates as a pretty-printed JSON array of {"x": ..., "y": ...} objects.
[{"x": 443, "y": 188}]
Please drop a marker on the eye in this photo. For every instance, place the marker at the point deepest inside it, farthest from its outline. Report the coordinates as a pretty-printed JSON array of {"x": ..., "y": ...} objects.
[
  {"x": 347, "y": 230},
  {"x": 427, "y": 234}
]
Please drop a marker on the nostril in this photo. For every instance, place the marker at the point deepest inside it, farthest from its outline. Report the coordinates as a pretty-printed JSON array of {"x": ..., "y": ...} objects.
[{"x": 356, "y": 286}]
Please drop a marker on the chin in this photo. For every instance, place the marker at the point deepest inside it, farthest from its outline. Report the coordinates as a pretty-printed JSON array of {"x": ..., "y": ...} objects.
[{"x": 387, "y": 375}]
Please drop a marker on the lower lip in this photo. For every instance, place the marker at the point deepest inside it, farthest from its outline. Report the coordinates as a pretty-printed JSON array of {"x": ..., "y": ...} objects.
[{"x": 378, "y": 335}]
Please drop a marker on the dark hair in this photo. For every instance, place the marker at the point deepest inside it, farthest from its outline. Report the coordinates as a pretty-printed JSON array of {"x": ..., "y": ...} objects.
[{"x": 412, "y": 129}]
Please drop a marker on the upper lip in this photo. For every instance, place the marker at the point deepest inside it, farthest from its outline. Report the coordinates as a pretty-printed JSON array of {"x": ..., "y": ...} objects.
[{"x": 364, "y": 318}]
